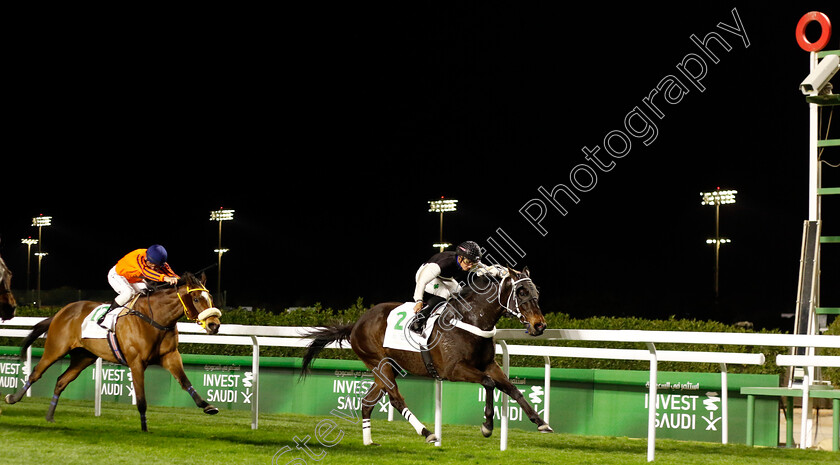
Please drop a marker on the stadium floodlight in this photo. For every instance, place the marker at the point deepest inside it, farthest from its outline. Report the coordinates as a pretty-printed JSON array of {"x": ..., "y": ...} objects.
[
  {"x": 722, "y": 240},
  {"x": 40, "y": 256},
  {"x": 40, "y": 222},
  {"x": 29, "y": 243},
  {"x": 442, "y": 206},
  {"x": 717, "y": 198},
  {"x": 220, "y": 215}
]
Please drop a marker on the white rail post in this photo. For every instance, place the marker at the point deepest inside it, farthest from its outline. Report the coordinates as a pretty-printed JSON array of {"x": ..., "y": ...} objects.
[
  {"x": 97, "y": 383},
  {"x": 438, "y": 410},
  {"x": 804, "y": 436},
  {"x": 724, "y": 404},
  {"x": 28, "y": 368},
  {"x": 504, "y": 415},
  {"x": 652, "y": 403},
  {"x": 547, "y": 388},
  {"x": 255, "y": 371}
]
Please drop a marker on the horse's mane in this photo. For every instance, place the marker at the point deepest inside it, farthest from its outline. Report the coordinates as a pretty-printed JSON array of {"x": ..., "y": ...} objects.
[
  {"x": 481, "y": 284},
  {"x": 189, "y": 278},
  {"x": 186, "y": 278}
]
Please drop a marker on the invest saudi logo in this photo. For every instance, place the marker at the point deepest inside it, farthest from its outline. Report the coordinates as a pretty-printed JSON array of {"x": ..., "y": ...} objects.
[{"x": 687, "y": 411}]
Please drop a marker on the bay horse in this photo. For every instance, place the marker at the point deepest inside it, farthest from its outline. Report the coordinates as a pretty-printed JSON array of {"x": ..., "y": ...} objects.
[
  {"x": 459, "y": 352},
  {"x": 147, "y": 334},
  {"x": 7, "y": 299}
]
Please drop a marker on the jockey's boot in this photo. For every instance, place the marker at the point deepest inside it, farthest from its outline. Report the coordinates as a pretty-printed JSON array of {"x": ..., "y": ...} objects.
[
  {"x": 419, "y": 323},
  {"x": 113, "y": 306}
]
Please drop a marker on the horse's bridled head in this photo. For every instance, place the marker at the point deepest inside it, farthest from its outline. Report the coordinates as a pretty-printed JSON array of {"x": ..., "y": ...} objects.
[
  {"x": 198, "y": 304},
  {"x": 527, "y": 297},
  {"x": 7, "y": 299}
]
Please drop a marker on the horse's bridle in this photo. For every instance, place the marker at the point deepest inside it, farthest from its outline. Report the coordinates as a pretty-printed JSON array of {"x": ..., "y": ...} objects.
[
  {"x": 201, "y": 318},
  {"x": 514, "y": 311}
]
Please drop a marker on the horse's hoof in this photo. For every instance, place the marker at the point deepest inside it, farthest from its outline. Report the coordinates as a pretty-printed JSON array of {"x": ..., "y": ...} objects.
[
  {"x": 210, "y": 410},
  {"x": 486, "y": 432},
  {"x": 51, "y": 420},
  {"x": 8, "y": 399},
  {"x": 545, "y": 429},
  {"x": 431, "y": 439}
]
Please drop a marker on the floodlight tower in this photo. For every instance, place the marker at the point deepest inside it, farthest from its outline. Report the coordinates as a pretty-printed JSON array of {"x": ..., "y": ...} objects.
[
  {"x": 220, "y": 215},
  {"x": 40, "y": 256},
  {"x": 40, "y": 222},
  {"x": 717, "y": 198},
  {"x": 29, "y": 243},
  {"x": 442, "y": 206}
]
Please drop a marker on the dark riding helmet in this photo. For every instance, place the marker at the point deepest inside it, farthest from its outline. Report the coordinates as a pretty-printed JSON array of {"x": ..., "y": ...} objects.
[
  {"x": 156, "y": 254},
  {"x": 469, "y": 250}
]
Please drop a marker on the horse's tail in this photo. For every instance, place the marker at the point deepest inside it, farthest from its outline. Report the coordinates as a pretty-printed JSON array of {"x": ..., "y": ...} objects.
[
  {"x": 40, "y": 328},
  {"x": 323, "y": 336}
]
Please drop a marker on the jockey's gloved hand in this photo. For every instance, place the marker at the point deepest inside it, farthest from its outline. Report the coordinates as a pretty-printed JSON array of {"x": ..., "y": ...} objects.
[{"x": 495, "y": 271}]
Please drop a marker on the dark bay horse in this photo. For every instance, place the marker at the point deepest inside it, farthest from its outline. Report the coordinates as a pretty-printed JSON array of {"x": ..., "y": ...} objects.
[
  {"x": 147, "y": 334},
  {"x": 459, "y": 353},
  {"x": 7, "y": 300}
]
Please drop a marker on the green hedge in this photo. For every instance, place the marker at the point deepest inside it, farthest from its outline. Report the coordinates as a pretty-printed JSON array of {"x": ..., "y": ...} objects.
[
  {"x": 317, "y": 315},
  {"x": 832, "y": 374}
]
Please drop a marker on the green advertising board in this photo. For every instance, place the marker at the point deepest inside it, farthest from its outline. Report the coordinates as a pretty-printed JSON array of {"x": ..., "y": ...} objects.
[{"x": 587, "y": 402}]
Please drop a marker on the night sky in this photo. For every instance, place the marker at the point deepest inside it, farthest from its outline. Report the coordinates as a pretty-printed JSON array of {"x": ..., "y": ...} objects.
[{"x": 329, "y": 129}]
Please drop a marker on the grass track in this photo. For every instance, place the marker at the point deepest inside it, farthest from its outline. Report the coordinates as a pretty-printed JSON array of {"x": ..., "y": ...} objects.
[{"x": 188, "y": 436}]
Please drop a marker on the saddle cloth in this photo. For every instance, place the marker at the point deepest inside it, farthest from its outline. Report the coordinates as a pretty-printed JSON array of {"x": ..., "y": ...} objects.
[
  {"x": 398, "y": 335},
  {"x": 92, "y": 330}
]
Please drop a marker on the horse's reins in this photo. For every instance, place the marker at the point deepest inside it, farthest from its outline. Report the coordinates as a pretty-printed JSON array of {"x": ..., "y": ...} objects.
[
  {"x": 212, "y": 311},
  {"x": 149, "y": 320},
  {"x": 513, "y": 311}
]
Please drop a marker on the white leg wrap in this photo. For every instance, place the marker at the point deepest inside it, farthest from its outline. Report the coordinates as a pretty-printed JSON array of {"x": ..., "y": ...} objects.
[
  {"x": 366, "y": 432},
  {"x": 406, "y": 413}
]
